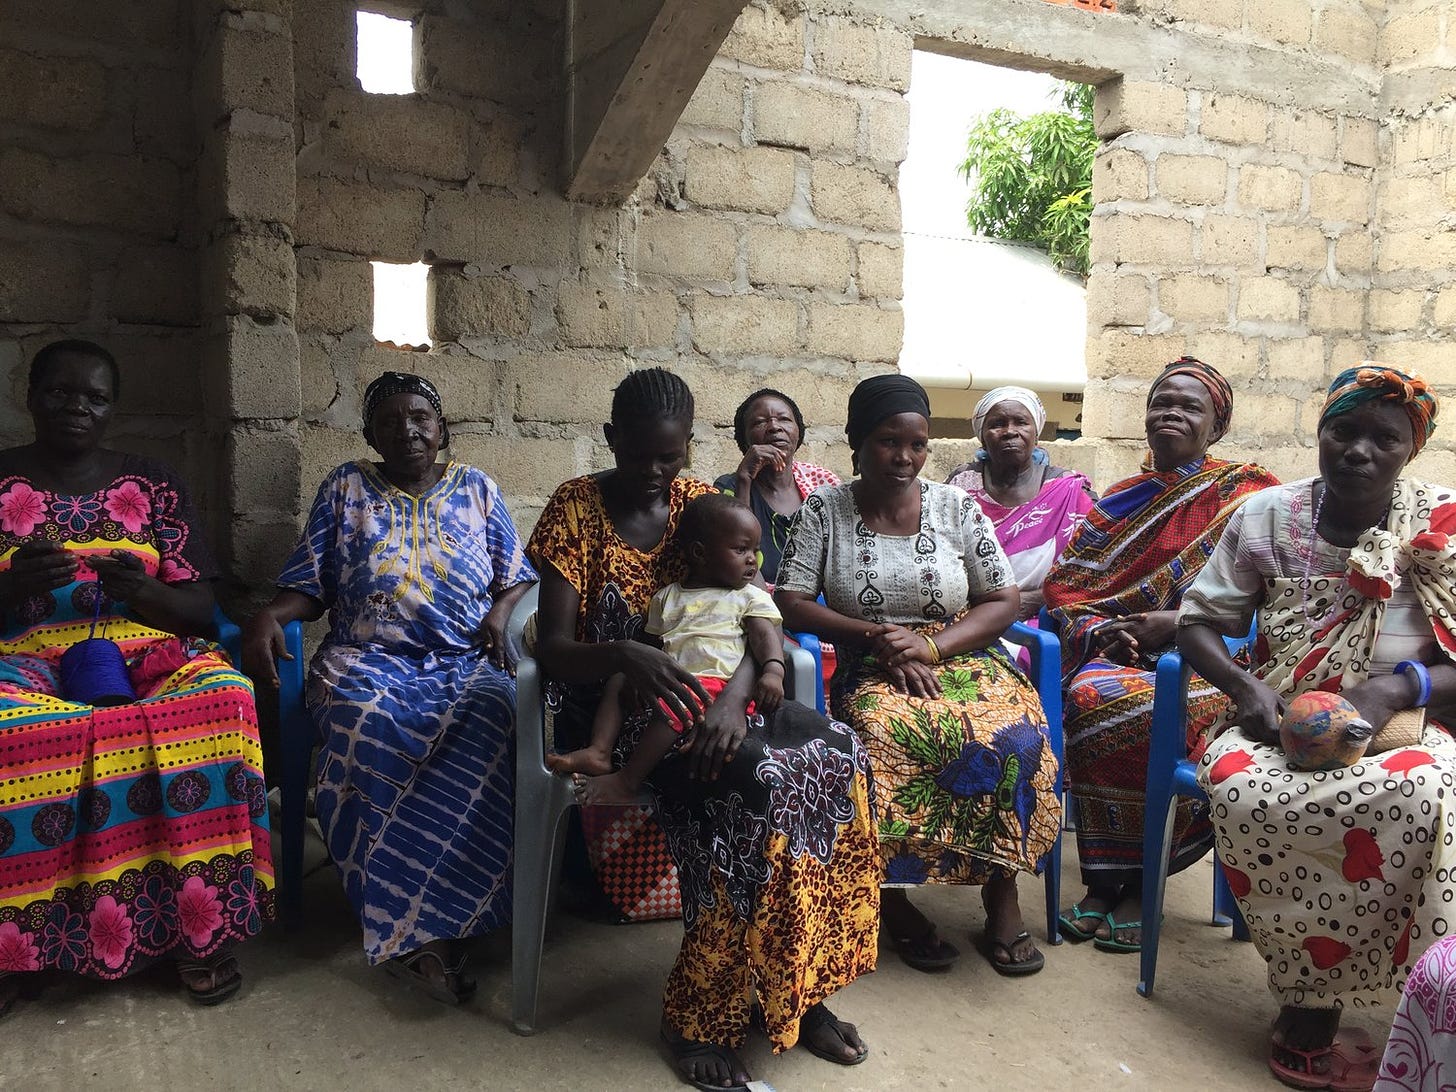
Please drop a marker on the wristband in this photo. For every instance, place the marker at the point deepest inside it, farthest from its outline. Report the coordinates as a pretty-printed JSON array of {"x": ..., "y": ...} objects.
[
  {"x": 1423, "y": 677},
  {"x": 775, "y": 660},
  {"x": 934, "y": 651}
]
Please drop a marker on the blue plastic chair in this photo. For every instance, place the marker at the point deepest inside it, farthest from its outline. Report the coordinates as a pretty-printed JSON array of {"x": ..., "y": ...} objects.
[
  {"x": 1046, "y": 677},
  {"x": 542, "y": 801},
  {"x": 1170, "y": 776},
  {"x": 297, "y": 733}
]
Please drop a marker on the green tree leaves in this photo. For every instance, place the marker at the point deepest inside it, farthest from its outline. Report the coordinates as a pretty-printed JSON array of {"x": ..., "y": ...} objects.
[{"x": 1031, "y": 178}]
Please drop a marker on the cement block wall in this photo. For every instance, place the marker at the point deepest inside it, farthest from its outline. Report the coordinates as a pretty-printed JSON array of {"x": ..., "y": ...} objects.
[
  {"x": 1271, "y": 195},
  {"x": 98, "y": 233}
]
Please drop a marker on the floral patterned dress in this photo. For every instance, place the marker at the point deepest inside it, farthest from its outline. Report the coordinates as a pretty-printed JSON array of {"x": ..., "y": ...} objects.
[
  {"x": 776, "y": 859},
  {"x": 416, "y": 766},
  {"x": 133, "y": 831},
  {"x": 966, "y": 782}
]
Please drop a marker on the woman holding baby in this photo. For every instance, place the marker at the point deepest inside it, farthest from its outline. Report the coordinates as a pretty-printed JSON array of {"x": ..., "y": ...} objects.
[
  {"x": 1343, "y": 875},
  {"x": 766, "y": 819}
]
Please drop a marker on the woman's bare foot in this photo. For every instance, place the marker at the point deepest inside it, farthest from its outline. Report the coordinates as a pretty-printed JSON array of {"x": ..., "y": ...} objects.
[
  {"x": 593, "y": 761},
  {"x": 610, "y": 788}
]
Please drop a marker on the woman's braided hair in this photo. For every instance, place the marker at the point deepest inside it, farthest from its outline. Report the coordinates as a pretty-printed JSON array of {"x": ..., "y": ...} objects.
[{"x": 651, "y": 394}]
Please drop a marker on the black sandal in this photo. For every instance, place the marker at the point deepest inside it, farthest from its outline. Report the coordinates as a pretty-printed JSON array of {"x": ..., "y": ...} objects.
[
  {"x": 817, "y": 1018},
  {"x": 926, "y": 952},
  {"x": 1012, "y": 968},
  {"x": 408, "y": 968},
  {"x": 685, "y": 1051},
  {"x": 215, "y": 967}
]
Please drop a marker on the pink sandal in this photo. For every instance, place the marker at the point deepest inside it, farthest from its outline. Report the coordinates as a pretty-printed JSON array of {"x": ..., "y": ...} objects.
[{"x": 1353, "y": 1062}]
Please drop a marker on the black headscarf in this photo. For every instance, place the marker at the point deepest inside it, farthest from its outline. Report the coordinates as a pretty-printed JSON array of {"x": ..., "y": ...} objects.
[
  {"x": 391, "y": 383},
  {"x": 879, "y": 397}
]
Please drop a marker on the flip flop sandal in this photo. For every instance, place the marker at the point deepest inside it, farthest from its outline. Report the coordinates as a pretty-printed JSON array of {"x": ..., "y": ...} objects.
[
  {"x": 407, "y": 967},
  {"x": 1353, "y": 1064},
  {"x": 927, "y": 952},
  {"x": 1110, "y": 943},
  {"x": 685, "y": 1050},
  {"x": 1068, "y": 925},
  {"x": 819, "y": 1017},
  {"x": 222, "y": 987},
  {"x": 989, "y": 947}
]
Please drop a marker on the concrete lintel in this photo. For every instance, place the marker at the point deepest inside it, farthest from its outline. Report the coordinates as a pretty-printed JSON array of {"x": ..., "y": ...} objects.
[
  {"x": 625, "y": 91},
  {"x": 1093, "y": 47}
]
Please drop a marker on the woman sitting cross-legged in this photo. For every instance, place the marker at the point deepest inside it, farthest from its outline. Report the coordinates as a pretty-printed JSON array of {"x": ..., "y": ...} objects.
[
  {"x": 1343, "y": 872},
  {"x": 1114, "y": 596},
  {"x": 917, "y": 593},
  {"x": 419, "y": 565},
  {"x": 767, "y": 818},
  {"x": 133, "y": 816}
]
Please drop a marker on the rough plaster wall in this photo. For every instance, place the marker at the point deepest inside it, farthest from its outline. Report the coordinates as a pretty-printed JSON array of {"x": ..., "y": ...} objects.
[
  {"x": 97, "y": 169},
  {"x": 762, "y": 249},
  {"x": 1412, "y": 308}
]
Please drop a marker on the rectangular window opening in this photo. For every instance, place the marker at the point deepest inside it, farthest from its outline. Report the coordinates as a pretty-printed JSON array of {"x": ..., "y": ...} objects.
[
  {"x": 1029, "y": 316},
  {"x": 399, "y": 304},
  {"x": 386, "y": 49}
]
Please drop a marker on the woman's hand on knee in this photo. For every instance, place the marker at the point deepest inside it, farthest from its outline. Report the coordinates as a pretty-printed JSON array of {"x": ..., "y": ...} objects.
[
  {"x": 653, "y": 676},
  {"x": 894, "y": 646},
  {"x": 1259, "y": 707},
  {"x": 716, "y": 740},
  {"x": 263, "y": 646},
  {"x": 916, "y": 679}
]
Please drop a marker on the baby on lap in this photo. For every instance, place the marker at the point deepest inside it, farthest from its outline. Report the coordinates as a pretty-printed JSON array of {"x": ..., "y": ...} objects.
[{"x": 704, "y": 622}]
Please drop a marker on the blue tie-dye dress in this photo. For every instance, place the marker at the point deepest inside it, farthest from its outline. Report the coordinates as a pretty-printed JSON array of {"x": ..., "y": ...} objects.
[{"x": 416, "y": 762}]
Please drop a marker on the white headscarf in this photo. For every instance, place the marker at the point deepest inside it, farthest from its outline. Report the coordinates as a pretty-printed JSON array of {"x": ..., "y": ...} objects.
[{"x": 1020, "y": 395}]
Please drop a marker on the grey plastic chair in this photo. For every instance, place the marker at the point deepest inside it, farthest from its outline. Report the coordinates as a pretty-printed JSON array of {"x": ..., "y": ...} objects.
[{"x": 542, "y": 800}]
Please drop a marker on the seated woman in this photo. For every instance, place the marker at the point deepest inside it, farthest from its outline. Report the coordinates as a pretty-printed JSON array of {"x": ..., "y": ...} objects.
[
  {"x": 419, "y": 565},
  {"x": 769, "y": 430},
  {"x": 767, "y": 819},
  {"x": 1114, "y": 596},
  {"x": 1034, "y": 506},
  {"x": 1420, "y": 1055},
  {"x": 135, "y": 831},
  {"x": 917, "y": 593},
  {"x": 1341, "y": 874}
]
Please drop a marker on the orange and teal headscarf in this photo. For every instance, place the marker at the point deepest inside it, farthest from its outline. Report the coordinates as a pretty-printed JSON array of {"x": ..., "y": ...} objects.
[
  {"x": 1371, "y": 381},
  {"x": 1219, "y": 391}
]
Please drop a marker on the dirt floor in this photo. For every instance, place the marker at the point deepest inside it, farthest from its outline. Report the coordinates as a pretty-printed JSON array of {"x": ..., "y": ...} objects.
[{"x": 312, "y": 1015}]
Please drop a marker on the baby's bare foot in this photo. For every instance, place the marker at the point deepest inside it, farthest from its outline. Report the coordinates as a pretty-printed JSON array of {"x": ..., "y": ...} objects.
[
  {"x": 588, "y": 760},
  {"x": 610, "y": 788}
]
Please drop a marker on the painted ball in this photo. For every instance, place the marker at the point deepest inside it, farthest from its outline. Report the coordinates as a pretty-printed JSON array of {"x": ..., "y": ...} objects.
[{"x": 1322, "y": 731}]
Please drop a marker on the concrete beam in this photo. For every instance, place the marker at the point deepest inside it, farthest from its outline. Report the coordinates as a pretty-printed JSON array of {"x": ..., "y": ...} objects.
[
  {"x": 1094, "y": 47},
  {"x": 631, "y": 68}
]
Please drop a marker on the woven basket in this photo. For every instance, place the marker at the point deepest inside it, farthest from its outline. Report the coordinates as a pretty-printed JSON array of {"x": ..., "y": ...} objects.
[{"x": 1404, "y": 729}]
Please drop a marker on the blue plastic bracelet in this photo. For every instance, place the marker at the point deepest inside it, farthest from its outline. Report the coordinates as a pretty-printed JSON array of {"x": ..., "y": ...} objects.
[{"x": 1422, "y": 676}]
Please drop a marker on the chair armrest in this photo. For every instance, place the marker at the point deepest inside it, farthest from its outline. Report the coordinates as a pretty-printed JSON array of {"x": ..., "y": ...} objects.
[
  {"x": 1046, "y": 677},
  {"x": 516, "y": 624},
  {"x": 228, "y": 635},
  {"x": 802, "y": 670}
]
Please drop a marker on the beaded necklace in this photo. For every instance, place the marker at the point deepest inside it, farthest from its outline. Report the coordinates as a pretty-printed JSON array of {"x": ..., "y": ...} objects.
[{"x": 1304, "y": 584}]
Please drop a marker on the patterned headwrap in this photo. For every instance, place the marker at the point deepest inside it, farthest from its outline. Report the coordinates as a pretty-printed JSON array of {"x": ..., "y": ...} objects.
[
  {"x": 1217, "y": 386},
  {"x": 879, "y": 397},
  {"x": 391, "y": 383},
  {"x": 1371, "y": 381}
]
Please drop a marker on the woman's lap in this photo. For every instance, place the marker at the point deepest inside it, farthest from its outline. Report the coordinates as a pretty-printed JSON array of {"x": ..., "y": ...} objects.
[
  {"x": 1109, "y": 724},
  {"x": 415, "y": 756},
  {"x": 779, "y": 874},
  {"x": 116, "y": 865},
  {"x": 974, "y": 768},
  {"x": 1339, "y": 873}
]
